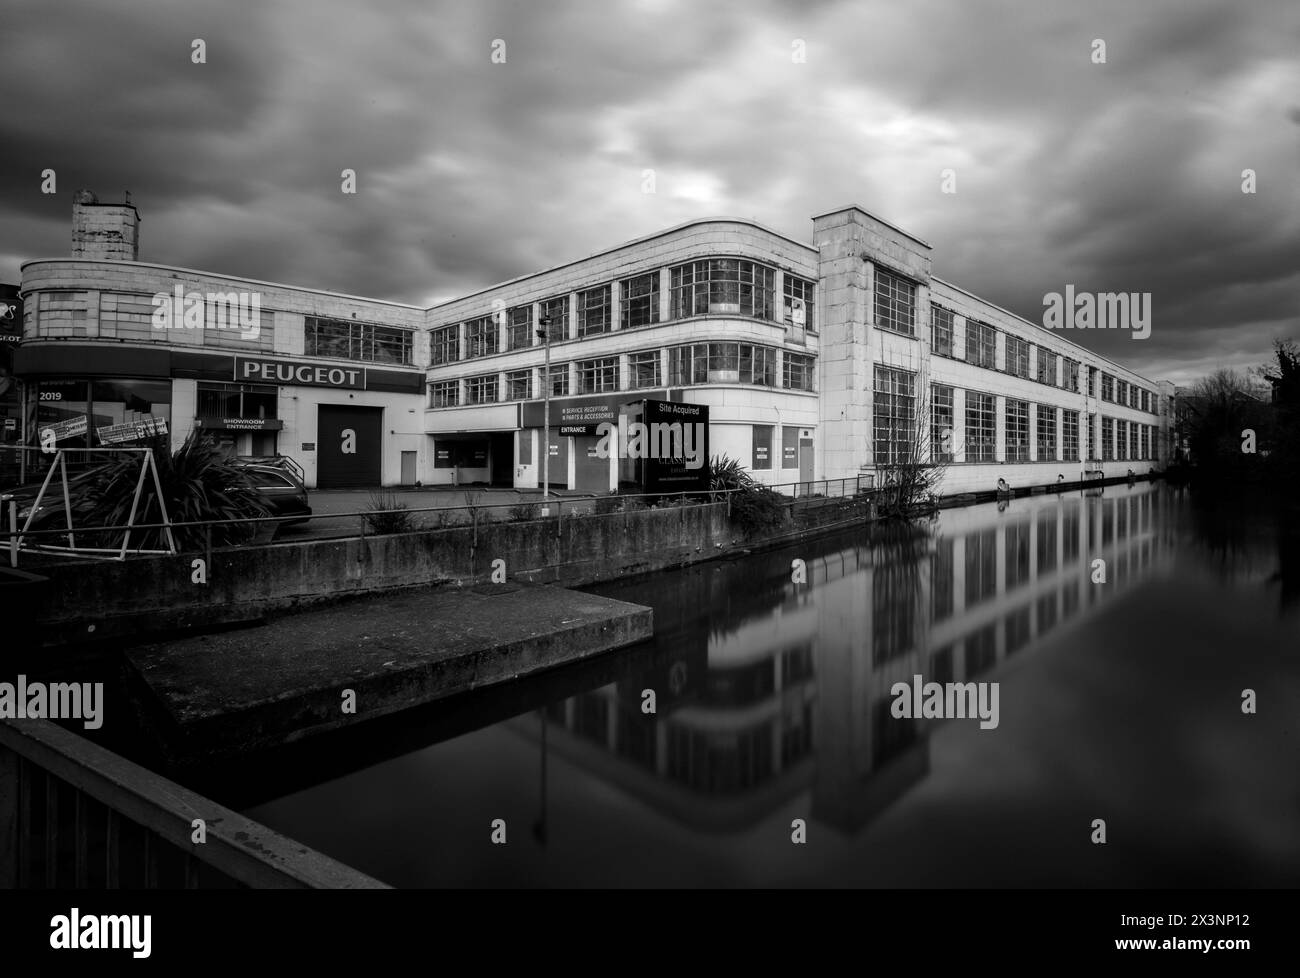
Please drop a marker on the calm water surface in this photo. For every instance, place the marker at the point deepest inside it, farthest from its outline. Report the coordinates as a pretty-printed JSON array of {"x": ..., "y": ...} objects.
[{"x": 1119, "y": 701}]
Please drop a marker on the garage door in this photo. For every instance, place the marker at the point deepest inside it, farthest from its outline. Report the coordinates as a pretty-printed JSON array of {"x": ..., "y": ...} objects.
[{"x": 349, "y": 442}]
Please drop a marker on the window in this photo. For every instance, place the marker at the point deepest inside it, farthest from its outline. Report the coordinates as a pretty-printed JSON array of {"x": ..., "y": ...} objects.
[
  {"x": 595, "y": 376},
  {"x": 895, "y": 302},
  {"x": 895, "y": 415},
  {"x": 981, "y": 344},
  {"x": 481, "y": 390},
  {"x": 519, "y": 385},
  {"x": 940, "y": 330},
  {"x": 480, "y": 337},
  {"x": 1070, "y": 436},
  {"x": 594, "y": 312},
  {"x": 349, "y": 340},
  {"x": 1070, "y": 375},
  {"x": 942, "y": 435},
  {"x": 1046, "y": 424},
  {"x": 723, "y": 285},
  {"x": 1146, "y": 441},
  {"x": 1017, "y": 356},
  {"x": 981, "y": 432},
  {"x": 797, "y": 372},
  {"x": 797, "y": 307},
  {"x": 1121, "y": 441},
  {"x": 444, "y": 344},
  {"x": 1107, "y": 440},
  {"x": 444, "y": 393},
  {"x": 1121, "y": 392},
  {"x": 557, "y": 311},
  {"x": 645, "y": 369},
  {"x": 762, "y": 446},
  {"x": 1017, "y": 431},
  {"x": 639, "y": 300},
  {"x": 519, "y": 327},
  {"x": 721, "y": 363},
  {"x": 789, "y": 448},
  {"x": 1146, "y": 400},
  {"x": 231, "y": 401},
  {"x": 559, "y": 380},
  {"x": 1133, "y": 446},
  {"x": 1107, "y": 387},
  {"x": 1046, "y": 366}
]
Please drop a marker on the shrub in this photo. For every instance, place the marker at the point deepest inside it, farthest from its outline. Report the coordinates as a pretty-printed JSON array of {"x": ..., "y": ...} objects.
[
  {"x": 604, "y": 505},
  {"x": 525, "y": 512},
  {"x": 198, "y": 484},
  {"x": 758, "y": 510},
  {"x": 386, "y": 514}
]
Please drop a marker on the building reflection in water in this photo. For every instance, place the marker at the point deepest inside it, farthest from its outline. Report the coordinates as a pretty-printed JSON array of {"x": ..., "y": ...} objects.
[{"x": 770, "y": 689}]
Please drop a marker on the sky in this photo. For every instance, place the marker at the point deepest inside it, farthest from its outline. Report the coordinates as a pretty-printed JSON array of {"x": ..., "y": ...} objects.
[{"x": 1122, "y": 175}]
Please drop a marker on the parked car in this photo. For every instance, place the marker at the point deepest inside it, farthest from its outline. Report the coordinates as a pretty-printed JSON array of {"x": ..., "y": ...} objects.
[{"x": 280, "y": 488}]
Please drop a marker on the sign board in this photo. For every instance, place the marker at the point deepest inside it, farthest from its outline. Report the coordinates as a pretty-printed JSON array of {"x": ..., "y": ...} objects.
[
  {"x": 582, "y": 415},
  {"x": 679, "y": 434},
  {"x": 309, "y": 446},
  {"x": 11, "y": 424},
  {"x": 243, "y": 424},
  {"x": 260, "y": 370},
  {"x": 70, "y": 428},
  {"x": 115, "y": 434}
]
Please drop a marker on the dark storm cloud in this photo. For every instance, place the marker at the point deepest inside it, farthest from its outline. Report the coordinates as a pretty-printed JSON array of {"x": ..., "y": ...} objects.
[{"x": 1122, "y": 176}]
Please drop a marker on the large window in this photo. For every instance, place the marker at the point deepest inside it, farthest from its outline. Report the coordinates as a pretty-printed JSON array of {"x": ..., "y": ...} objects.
[
  {"x": 639, "y": 300},
  {"x": 557, "y": 311},
  {"x": 797, "y": 305},
  {"x": 444, "y": 344},
  {"x": 895, "y": 302},
  {"x": 1107, "y": 387},
  {"x": 559, "y": 379},
  {"x": 723, "y": 285},
  {"x": 1121, "y": 392},
  {"x": 1070, "y": 437},
  {"x": 645, "y": 369},
  {"x": 519, "y": 327},
  {"x": 1017, "y": 356},
  {"x": 444, "y": 393},
  {"x": 349, "y": 340},
  {"x": 1107, "y": 440},
  {"x": 519, "y": 385},
  {"x": 481, "y": 390},
  {"x": 1121, "y": 441},
  {"x": 797, "y": 372},
  {"x": 1017, "y": 431},
  {"x": 598, "y": 376},
  {"x": 594, "y": 311},
  {"x": 1070, "y": 375},
  {"x": 236, "y": 401},
  {"x": 480, "y": 337},
  {"x": 1146, "y": 441},
  {"x": 1046, "y": 424},
  {"x": 981, "y": 427},
  {"x": 1146, "y": 400},
  {"x": 1046, "y": 366},
  {"x": 895, "y": 416},
  {"x": 942, "y": 436},
  {"x": 981, "y": 344},
  {"x": 940, "y": 330},
  {"x": 721, "y": 363}
]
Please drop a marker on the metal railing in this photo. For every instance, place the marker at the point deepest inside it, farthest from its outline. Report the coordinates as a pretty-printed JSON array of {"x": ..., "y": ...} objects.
[
  {"x": 265, "y": 529},
  {"x": 73, "y": 814}
]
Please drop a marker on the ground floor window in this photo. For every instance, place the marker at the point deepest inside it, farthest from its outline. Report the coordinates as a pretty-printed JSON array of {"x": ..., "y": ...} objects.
[
  {"x": 1070, "y": 436},
  {"x": 942, "y": 435},
  {"x": 77, "y": 409},
  {"x": 980, "y": 427},
  {"x": 1017, "y": 430},
  {"x": 1107, "y": 440},
  {"x": 762, "y": 446},
  {"x": 1046, "y": 433}
]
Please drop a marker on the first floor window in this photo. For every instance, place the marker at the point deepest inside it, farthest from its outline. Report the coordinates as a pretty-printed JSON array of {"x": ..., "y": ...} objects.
[
  {"x": 444, "y": 393},
  {"x": 559, "y": 380},
  {"x": 1070, "y": 375},
  {"x": 942, "y": 435},
  {"x": 481, "y": 337},
  {"x": 895, "y": 302},
  {"x": 597, "y": 376},
  {"x": 645, "y": 369},
  {"x": 519, "y": 385},
  {"x": 981, "y": 431},
  {"x": 895, "y": 416},
  {"x": 444, "y": 344},
  {"x": 519, "y": 327},
  {"x": 1046, "y": 433},
  {"x": 797, "y": 372},
  {"x": 481, "y": 390},
  {"x": 940, "y": 330},
  {"x": 594, "y": 311},
  {"x": 981, "y": 344},
  {"x": 1017, "y": 431},
  {"x": 1017, "y": 356},
  {"x": 1046, "y": 366},
  {"x": 639, "y": 300}
]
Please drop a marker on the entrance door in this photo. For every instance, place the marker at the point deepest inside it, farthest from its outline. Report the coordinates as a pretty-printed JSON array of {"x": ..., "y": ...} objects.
[
  {"x": 590, "y": 470},
  {"x": 408, "y": 468},
  {"x": 806, "y": 463},
  {"x": 349, "y": 443}
]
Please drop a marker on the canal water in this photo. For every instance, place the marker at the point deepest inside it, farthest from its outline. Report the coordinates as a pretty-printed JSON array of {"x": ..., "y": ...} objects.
[{"x": 1123, "y": 627}]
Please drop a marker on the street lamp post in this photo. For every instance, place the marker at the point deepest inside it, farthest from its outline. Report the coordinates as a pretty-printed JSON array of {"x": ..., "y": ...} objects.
[{"x": 545, "y": 334}]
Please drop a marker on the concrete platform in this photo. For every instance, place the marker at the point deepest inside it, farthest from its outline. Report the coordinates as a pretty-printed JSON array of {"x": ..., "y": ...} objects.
[{"x": 229, "y": 693}]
